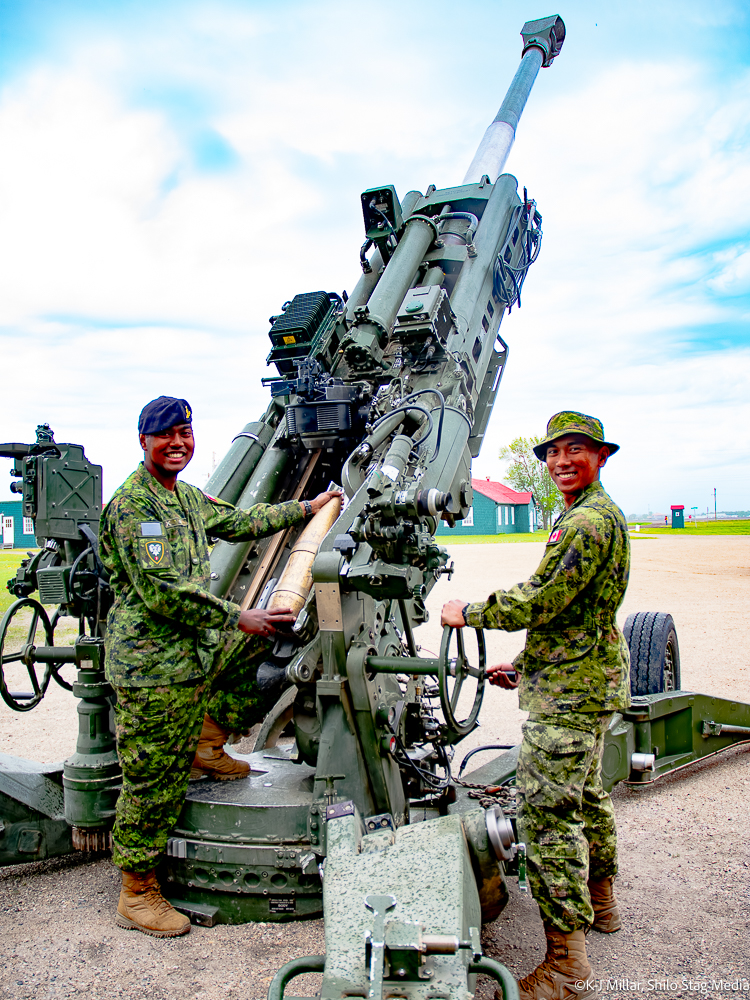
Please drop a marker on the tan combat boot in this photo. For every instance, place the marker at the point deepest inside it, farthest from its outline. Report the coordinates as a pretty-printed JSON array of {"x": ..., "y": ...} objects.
[
  {"x": 606, "y": 914},
  {"x": 211, "y": 760},
  {"x": 565, "y": 972},
  {"x": 143, "y": 908}
]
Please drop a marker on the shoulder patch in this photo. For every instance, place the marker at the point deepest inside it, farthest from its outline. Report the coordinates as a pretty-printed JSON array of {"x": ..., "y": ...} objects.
[
  {"x": 555, "y": 536},
  {"x": 155, "y": 552},
  {"x": 149, "y": 529}
]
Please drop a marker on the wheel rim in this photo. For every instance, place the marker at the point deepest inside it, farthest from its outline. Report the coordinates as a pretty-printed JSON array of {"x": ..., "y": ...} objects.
[
  {"x": 669, "y": 671},
  {"x": 25, "y": 655}
]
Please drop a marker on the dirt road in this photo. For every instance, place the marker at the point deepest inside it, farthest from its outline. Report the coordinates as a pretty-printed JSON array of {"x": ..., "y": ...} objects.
[{"x": 685, "y": 863}]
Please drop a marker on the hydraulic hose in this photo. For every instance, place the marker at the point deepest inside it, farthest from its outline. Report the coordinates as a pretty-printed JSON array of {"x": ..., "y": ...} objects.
[
  {"x": 498, "y": 972},
  {"x": 297, "y": 967},
  {"x": 381, "y": 430}
]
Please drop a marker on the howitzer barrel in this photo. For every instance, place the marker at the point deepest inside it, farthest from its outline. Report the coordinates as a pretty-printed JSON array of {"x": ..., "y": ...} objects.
[{"x": 543, "y": 40}]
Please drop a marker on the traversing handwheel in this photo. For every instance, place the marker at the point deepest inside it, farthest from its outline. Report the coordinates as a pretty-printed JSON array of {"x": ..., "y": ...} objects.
[
  {"x": 25, "y": 655},
  {"x": 456, "y": 669}
]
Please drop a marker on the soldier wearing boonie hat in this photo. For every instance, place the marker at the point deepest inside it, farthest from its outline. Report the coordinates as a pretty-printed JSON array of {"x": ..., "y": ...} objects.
[
  {"x": 574, "y": 674},
  {"x": 182, "y": 661},
  {"x": 570, "y": 422}
]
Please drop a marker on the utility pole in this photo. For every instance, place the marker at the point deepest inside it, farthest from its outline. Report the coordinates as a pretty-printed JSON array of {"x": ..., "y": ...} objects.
[{"x": 714, "y": 503}]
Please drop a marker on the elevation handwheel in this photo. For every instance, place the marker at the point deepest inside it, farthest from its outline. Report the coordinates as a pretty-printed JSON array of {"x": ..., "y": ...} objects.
[{"x": 456, "y": 668}]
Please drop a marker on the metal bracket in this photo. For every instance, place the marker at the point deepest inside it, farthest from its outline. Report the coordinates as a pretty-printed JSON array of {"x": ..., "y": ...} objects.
[
  {"x": 436, "y": 241},
  {"x": 375, "y": 943},
  {"x": 339, "y": 809},
  {"x": 328, "y": 603},
  {"x": 474, "y": 944},
  {"x": 523, "y": 885},
  {"x": 383, "y": 821}
]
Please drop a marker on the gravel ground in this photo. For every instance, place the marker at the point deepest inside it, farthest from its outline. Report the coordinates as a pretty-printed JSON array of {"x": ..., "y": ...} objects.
[{"x": 685, "y": 864}]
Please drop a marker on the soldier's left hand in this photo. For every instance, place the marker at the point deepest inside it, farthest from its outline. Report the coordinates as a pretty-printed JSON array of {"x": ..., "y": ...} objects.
[
  {"x": 323, "y": 498},
  {"x": 452, "y": 613}
]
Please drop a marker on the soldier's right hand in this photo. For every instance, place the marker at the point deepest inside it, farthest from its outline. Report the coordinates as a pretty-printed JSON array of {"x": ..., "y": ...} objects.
[
  {"x": 265, "y": 622},
  {"x": 503, "y": 675}
]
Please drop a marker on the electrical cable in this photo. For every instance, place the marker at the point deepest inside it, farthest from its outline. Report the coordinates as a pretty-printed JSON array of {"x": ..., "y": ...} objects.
[
  {"x": 406, "y": 409},
  {"x": 438, "y": 393},
  {"x": 503, "y": 272},
  {"x": 366, "y": 265},
  {"x": 424, "y": 775},
  {"x": 382, "y": 215},
  {"x": 471, "y": 229},
  {"x": 489, "y": 746}
]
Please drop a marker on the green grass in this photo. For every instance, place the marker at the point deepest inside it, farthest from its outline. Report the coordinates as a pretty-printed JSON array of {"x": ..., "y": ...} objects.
[
  {"x": 17, "y": 635},
  {"x": 647, "y": 530},
  {"x": 10, "y": 560},
  {"x": 529, "y": 536},
  {"x": 699, "y": 528}
]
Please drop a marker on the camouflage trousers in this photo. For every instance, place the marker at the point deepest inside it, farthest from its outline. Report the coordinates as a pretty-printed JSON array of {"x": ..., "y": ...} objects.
[
  {"x": 157, "y": 731},
  {"x": 565, "y": 817}
]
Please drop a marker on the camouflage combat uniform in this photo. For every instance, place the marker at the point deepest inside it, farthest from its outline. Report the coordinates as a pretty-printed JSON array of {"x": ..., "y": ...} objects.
[
  {"x": 574, "y": 673},
  {"x": 173, "y": 650}
]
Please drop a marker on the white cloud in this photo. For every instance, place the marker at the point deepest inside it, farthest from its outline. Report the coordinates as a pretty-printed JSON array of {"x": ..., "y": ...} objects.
[
  {"x": 129, "y": 271},
  {"x": 733, "y": 271},
  {"x": 620, "y": 309}
]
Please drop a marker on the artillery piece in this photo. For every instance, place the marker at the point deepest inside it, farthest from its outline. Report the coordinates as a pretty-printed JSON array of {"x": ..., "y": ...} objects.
[{"x": 388, "y": 392}]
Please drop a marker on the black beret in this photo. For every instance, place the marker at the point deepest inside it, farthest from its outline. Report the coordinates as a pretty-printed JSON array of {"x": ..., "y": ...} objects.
[{"x": 162, "y": 413}]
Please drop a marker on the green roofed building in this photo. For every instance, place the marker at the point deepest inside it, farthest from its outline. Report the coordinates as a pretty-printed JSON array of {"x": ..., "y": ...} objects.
[{"x": 497, "y": 510}]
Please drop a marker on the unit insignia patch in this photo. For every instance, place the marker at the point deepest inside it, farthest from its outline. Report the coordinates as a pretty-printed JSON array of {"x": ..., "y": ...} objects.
[{"x": 155, "y": 552}]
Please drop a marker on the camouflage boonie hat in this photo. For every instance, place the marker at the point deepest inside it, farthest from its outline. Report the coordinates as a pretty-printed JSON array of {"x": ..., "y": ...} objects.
[{"x": 570, "y": 422}]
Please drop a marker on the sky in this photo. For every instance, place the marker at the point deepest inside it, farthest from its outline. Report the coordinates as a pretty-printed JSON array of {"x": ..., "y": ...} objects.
[{"x": 172, "y": 173}]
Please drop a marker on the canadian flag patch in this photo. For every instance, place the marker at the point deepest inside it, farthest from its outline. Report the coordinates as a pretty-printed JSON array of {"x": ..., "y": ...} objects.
[{"x": 555, "y": 536}]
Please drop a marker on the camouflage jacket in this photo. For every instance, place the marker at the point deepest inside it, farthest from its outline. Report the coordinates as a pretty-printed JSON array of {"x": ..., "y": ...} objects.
[
  {"x": 576, "y": 658},
  {"x": 164, "y": 624}
]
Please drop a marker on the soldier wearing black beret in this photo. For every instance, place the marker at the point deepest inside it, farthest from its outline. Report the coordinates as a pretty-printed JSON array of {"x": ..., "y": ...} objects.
[{"x": 182, "y": 661}]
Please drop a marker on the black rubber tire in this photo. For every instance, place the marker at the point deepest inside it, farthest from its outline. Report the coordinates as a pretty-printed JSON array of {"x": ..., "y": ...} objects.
[{"x": 654, "y": 653}]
